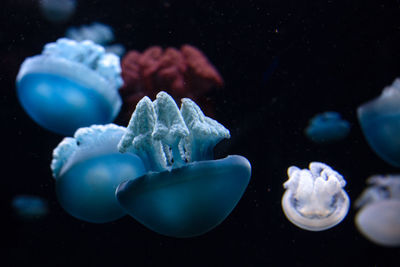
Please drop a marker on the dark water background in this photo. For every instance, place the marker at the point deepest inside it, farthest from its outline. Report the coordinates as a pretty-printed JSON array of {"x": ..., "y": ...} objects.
[{"x": 282, "y": 62}]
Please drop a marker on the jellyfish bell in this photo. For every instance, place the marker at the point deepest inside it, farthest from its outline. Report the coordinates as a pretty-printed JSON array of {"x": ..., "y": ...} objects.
[
  {"x": 185, "y": 192},
  {"x": 380, "y": 123},
  {"x": 379, "y": 216},
  {"x": 327, "y": 127},
  {"x": 29, "y": 207},
  {"x": 314, "y": 199},
  {"x": 87, "y": 170},
  {"x": 57, "y": 10},
  {"x": 70, "y": 85}
]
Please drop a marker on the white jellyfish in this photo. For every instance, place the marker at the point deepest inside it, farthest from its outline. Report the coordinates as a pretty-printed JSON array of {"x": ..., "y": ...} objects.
[
  {"x": 314, "y": 199},
  {"x": 57, "y": 10},
  {"x": 379, "y": 216}
]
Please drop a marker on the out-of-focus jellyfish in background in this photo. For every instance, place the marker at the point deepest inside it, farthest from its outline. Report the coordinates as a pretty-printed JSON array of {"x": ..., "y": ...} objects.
[
  {"x": 380, "y": 123},
  {"x": 29, "y": 207},
  {"x": 185, "y": 192},
  {"x": 88, "y": 168},
  {"x": 181, "y": 73},
  {"x": 99, "y": 33},
  {"x": 327, "y": 127},
  {"x": 57, "y": 10},
  {"x": 379, "y": 215},
  {"x": 314, "y": 199},
  {"x": 70, "y": 85}
]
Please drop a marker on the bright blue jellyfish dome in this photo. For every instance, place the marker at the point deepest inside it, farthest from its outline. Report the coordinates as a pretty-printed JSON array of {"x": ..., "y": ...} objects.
[
  {"x": 185, "y": 192},
  {"x": 88, "y": 168},
  {"x": 29, "y": 207},
  {"x": 379, "y": 216},
  {"x": 70, "y": 85},
  {"x": 327, "y": 127},
  {"x": 380, "y": 123},
  {"x": 314, "y": 199}
]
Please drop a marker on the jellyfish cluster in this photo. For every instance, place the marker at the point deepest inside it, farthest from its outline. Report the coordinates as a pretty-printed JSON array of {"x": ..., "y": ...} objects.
[{"x": 160, "y": 170}]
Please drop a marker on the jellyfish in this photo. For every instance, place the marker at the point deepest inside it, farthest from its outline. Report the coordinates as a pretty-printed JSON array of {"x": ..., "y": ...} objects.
[
  {"x": 29, "y": 207},
  {"x": 380, "y": 123},
  {"x": 185, "y": 192},
  {"x": 57, "y": 10},
  {"x": 379, "y": 216},
  {"x": 314, "y": 199},
  {"x": 99, "y": 33},
  {"x": 327, "y": 127},
  {"x": 88, "y": 168},
  {"x": 70, "y": 85}
]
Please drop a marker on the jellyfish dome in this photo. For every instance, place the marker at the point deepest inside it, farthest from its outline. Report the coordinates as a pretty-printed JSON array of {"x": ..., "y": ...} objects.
[
  {"x": 57, "y": 10},
  {"x": 379, "y": 216},
  {"x": 327, "y": 127},
  {"x": 29, "y": 207},
  {"x": 380, "y": 123},
  {"x": 185, "y": 192},
  {"x": 88, "y": 168},
  {"x": 314, "y": 199},
  {"x": 70, "y": 85}
]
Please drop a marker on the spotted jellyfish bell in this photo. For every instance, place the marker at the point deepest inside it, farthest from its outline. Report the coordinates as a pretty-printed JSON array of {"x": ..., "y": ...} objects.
[
  {"x": 314, "y": 199},
  {"x": 379, "y": 216},
  {"x": 70, "y": 85},
  {"x": 87, "y": 170},
  {"x": 380, "y": 123},
  {"x": 185, "y": 192}
]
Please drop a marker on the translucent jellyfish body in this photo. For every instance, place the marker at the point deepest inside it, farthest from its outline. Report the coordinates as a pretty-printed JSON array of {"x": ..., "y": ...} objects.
[
  {"x": 29, "y": 207},
  {"x": 99, "y": 33},
  {"x": 314, "y": 199},
  {"x": 380, "y": 123},
  {"x": 327, "y": 127},
  {"x": 88, "y": 168},
  {"x": 57, "y": 10},
  {"x": 185, "y": 192},
  {"x": 70, "y": 85},
  {"x": 379, "y": 215}
]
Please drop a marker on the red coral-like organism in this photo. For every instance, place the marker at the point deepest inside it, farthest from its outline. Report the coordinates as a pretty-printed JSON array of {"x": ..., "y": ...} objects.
[{"x": 181, "y": 73}]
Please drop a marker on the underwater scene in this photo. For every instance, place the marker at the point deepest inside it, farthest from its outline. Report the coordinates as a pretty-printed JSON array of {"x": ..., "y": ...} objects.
[{"x": 200, "y": 133}]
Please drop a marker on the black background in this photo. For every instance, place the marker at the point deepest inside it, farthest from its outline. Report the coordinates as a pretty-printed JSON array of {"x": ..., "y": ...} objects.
[{"x": 282, "y": 62}]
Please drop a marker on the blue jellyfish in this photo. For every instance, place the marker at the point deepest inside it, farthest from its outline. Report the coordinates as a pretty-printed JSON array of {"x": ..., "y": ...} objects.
[
  {"x": 380, "y": 123},
  {"x": 99, "y": 33},
  {"x": 57, "y": 10},
  {"x": 185, "y": 192},
  {"x": 29, "y": 207},
  {"x": 379, "y": 216},
  {"x": 327, "y": 127},
  {"x": 70, "y": 85},
  {"x": 87, "y": 170},
  {"x": 314, "y": 199}
]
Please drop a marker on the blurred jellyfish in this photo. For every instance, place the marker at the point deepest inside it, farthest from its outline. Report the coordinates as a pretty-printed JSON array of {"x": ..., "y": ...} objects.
[
  {"x": 57, "y": 10},
  {"x": 99, "y": 33},
  {"x": 379, "y": 216},
  {"x": 185, "y": 192},
  {"x": 380, "y": 123},
  {"x": 70, "y": 85},
  {"x": 314, "y": 199},
  {"x": 88, "y": 168},
  {"x": 29, "y": 207},
  {"x": 327, "y": 127},
  {"x": 182, "y": 73}
]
